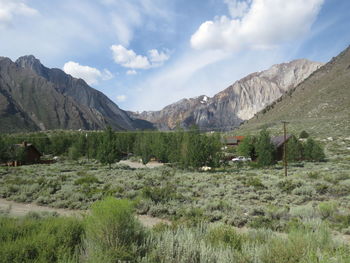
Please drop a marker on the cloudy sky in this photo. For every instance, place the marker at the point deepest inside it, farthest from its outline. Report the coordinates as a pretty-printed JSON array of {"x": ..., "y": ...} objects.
[{"x": 145, "y": 54}]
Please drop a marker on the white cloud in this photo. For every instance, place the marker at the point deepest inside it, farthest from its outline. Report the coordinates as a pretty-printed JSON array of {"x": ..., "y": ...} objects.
[
  {"x": 129, "y": 59},
  {"x": 158, "y": 58},
  {"x": 90, "y": 75},
  {"x": 107, "y": 75},
  {"x": 129, "y": 15},
  {"x": 131, "y": 72},
  {"x": 11, "y": 8},
  {"x": 121, "y": 98},
  {"x": 259, "y": 24},
  {"x": 237, "y": 8}
]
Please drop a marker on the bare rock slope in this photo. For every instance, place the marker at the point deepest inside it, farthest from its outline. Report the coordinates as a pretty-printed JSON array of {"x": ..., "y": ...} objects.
[{"x": 239, "y": 102}]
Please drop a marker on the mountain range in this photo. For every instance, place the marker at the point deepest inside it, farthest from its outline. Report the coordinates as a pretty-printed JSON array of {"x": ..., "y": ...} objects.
[
  {"x": 320, "y": 104},
  {"x": 34, "y": 97},
  {"x": 309, "y": 94},
  {"x": 237, "y": 103}
]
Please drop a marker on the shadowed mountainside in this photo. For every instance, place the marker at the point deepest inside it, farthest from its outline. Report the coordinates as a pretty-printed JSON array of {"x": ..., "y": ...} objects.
[{"x": 33, "y": 97}]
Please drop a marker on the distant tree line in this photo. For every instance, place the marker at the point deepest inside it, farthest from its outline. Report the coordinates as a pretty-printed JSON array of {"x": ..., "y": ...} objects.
[
  {"x": 261, "y": 148},
  {"x": 184, "y": 148}
]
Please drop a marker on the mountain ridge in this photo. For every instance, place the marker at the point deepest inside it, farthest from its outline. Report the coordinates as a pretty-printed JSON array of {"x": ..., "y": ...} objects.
[
  {"x": 43, "y": 98},
  {"x": 320, "y": 104},
  {"x": 235, "y": 104}
]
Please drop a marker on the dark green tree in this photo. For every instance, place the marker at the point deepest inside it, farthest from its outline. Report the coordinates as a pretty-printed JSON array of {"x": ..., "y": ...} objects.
[
  {"x": 247, "y": 147},
  {"x": 265, "y": 149},
  {"x": 313, "y": 151},
  {"x": 303, "y": 135},
  {"x": 108, "y": 152},
  {"x": 3, "y": 149},
  {"x": 294, "y": 150}
]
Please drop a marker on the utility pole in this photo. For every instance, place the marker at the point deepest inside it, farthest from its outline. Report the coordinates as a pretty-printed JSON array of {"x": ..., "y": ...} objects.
[{"x": 285, "y": 148}]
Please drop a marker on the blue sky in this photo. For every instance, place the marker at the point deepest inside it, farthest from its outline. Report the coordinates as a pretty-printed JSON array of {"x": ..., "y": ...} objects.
[{"x": 146, "y": 54}]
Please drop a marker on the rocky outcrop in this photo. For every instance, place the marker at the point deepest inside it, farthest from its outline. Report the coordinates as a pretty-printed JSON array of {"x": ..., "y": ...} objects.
[{"x": 239, "y": 102}]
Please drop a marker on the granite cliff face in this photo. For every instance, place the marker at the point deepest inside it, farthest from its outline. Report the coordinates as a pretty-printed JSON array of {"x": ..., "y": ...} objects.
[
  {"x": 239, "y": 102},
  {"x": 33, "y": 97}
]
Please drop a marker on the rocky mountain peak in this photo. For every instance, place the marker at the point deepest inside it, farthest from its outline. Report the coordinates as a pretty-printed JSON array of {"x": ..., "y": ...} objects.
[
  {"x": 32, "y": 63},
  {"x": 238, "y": 102}
]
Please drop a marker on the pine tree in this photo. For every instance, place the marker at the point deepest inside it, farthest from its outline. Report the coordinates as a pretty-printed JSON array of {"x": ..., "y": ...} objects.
[{"x": 265, "y": 149}]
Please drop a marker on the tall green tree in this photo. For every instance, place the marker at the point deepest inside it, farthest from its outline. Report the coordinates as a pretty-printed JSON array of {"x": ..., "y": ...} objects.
[
  {"x": 294, "y": 150},
  {"x": 3, "y": 149},
  {"x": 313, "y": 151},
  {"x": 265, "y": 149},
  {"x": 247, "y": 147},
  {"x": 108, "y": 152}
]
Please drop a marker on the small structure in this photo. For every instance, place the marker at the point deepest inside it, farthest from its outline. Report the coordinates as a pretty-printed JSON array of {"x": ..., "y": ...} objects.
[
  {"x": 232, "y": 140},
  {"x": 30, "y": 154},
  {"x": 278, "y": 142}
]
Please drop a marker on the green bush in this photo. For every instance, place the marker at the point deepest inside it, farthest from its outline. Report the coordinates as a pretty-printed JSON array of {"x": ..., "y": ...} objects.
[
  {"x": 255, "y": 182},
  {"x": 112, "y": 231},
  {"x": 226, "y": 236},
  {"x": 327, "y": 209},
  {"x": 35, "y": 239},
  {"x": 288, "y": 185}
]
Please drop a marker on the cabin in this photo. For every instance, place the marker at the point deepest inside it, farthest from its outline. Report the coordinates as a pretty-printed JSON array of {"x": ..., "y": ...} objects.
[
  {"x": 232, "y": 141},
  {"x": 278, "y": 142},
  {"x": 31, "y": 154}
]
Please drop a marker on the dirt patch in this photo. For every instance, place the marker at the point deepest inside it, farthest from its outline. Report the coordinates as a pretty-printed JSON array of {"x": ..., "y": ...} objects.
[
  {"x": 21, "y": 209},
  {"x": 138, "y": 165}
]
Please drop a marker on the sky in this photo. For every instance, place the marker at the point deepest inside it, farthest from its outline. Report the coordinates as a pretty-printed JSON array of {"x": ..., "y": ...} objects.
[{"x": 146, "y": 54}]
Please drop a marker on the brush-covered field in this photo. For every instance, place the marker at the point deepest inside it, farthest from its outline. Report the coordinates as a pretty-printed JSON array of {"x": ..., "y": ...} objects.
[{"x": 233, "y": 214}]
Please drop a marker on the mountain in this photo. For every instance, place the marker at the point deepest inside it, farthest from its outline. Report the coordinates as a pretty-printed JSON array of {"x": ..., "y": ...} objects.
[
  {"x": 320, "y": 105},
  {"x": 33, "y": 97},
  {"x": 239, "y": 102}
]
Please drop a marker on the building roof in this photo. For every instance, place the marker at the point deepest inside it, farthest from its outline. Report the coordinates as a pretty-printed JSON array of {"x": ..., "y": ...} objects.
[
  {"x": 28, "y": 146},
  {"x": 232, "y": 139},
  {"x": 278, "y": 141}
]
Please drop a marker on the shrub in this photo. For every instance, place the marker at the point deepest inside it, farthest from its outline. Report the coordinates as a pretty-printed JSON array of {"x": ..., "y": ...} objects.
[
  {"x": 255, "y": 182},
  {"x": 288, "y": 185},
  {"x": 327, "y": 209},
  {"x": 224, "y": 235},
  {"x": 36, "y": 239},
  {"x": 112, "y": 231}
]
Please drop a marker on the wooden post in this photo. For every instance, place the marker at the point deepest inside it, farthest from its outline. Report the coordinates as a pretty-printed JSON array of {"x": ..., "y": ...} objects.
[{"x": 285, "y": 162}]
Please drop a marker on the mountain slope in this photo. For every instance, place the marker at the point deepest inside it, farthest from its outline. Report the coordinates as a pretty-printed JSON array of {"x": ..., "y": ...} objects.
[
  {"x": 33, "y": 97},
  {"x": 320, "y": 104},
  {"x": 239, "y": 102}
]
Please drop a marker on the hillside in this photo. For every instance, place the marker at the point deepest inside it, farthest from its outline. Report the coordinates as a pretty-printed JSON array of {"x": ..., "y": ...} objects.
[
  {"x": 33, "y": 97},
  {"x": 237, "y": 103},
  {"x": 320, "y": 104}
]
